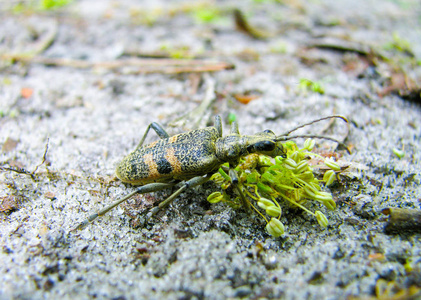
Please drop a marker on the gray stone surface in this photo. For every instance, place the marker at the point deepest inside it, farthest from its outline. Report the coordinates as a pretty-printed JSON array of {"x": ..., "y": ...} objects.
[{"x": 93, "y": 117}]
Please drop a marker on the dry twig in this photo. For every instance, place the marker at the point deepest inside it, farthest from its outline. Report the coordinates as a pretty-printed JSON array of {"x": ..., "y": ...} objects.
[{"x": 142, "y": 66}]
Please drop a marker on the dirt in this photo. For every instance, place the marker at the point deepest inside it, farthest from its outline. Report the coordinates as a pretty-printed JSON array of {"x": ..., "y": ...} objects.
[{"x": 80, "y": 84}]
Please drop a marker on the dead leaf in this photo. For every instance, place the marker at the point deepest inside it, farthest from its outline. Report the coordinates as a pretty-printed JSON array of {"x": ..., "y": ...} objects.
[
  {"x": 404, "y": 86},
  {"x": 26, "y": 92},
  {"x": 245, "y": 99},
  {"x": 9, "y": 145},
  {"x": 50, "y": 195},
  {"x": 9, "y": 203}
]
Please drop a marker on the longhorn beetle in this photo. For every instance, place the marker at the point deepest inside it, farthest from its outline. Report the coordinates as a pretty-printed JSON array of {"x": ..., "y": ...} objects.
[{"x": 189, "y": 159}]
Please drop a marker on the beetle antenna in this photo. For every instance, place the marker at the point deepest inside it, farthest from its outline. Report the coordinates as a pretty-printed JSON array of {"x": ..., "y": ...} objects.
[
  {"x": 287, "y": 137},
  {"x": 311, "y": 136},
  {"x": 315, "y": 121}
]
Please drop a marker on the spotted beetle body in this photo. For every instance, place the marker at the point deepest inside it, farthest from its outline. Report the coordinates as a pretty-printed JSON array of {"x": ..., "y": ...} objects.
[
  {"x": 189, "y": 159},
  {"x": 194, "y": 153}
]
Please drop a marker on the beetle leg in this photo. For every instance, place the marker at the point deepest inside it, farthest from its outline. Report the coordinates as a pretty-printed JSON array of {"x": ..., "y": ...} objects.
[
  {"x": 218, "y": 124},
  {"x": 195, "y": 181},
  {"x": 160, "y": 131},
  {"x": 235, "y": 182},
  {"x": 148, "y": 188},
  {"x": 234, "y": 128}
]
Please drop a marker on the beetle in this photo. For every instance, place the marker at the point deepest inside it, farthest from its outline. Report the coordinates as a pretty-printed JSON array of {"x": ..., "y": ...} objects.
[{"x": 189, "y": 159}]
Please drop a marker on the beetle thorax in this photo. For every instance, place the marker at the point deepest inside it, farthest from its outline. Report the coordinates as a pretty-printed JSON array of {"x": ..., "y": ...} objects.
[
  {"x": 231, "y": 147},
  {"x": 234, "y": 146}
]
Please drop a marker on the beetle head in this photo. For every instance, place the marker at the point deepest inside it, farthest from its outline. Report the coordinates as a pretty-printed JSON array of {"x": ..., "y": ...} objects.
[{"x": 265, "y": 143}]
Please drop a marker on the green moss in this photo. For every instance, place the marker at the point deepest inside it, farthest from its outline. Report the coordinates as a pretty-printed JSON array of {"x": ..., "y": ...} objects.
[{"x": 270, "y": 183}]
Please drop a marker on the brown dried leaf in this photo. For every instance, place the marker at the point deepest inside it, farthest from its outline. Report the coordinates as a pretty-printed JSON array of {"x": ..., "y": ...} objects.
[
  {"x": 9, "y": 203},
  {"x": 26, "y": 92},
  {"x": 245, "y": 99},
  {"x": 404, "y": 86},
  {"x": 9, "y": 145},
  {"x": 49, "y": 195}
]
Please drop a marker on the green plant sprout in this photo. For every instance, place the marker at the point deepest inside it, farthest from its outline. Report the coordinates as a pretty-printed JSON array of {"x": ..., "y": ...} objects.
[
  {"x": 399, "y": 44},
  {"x": 308, "y": 85},
  {"x": 207, "y": 15},
  {"x": 400, "y": 153},
  {"x": 268, "y": 181},
  {"x": 39, "y": 5}
]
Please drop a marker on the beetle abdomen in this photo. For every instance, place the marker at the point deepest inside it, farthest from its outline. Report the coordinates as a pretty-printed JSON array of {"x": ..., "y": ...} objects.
[{"x": 182, "y": 156}]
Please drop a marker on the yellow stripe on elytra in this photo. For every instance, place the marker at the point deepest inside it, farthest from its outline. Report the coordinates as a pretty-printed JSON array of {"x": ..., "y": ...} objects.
[
  {"x": 151, "y": 145},
  {"x": 172, "y": 139},
  {"x": 174, "y": 162},
  {"x": 153, "y": 167}
]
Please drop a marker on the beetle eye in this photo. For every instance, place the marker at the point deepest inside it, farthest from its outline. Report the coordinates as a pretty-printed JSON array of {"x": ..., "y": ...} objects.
[{"x": 264, "y": 146}]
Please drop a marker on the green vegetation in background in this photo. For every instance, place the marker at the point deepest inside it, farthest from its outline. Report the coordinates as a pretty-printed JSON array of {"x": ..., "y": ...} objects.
[
  {"x": 39, "y": 5},
  {"x": 206, "y": 15},
  {"x": 399, "y": 44},
  {"x": 312, "y": 86}
]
